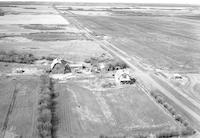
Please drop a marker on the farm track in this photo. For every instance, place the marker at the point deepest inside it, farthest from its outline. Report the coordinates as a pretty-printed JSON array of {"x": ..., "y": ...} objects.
[
  {"x": 10, "y": 109},
  {"x": 34, "y": 111},
  {"x": 141, "y": 74},
  {"x": 68, "y": 115}
]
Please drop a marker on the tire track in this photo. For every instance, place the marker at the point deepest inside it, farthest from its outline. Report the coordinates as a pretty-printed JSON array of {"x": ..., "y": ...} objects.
[
  {"x": 10, "y": 109},
  {"x": 68, "y": 114},
  {"x": 34, "y": 111}
]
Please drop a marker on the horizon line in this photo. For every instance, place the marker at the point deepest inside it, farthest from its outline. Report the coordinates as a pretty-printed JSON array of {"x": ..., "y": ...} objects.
[{"x": 61, "y": 1}]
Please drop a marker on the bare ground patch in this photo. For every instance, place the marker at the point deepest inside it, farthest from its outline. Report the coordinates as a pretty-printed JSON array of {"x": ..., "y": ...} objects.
[
  {"x": 55, "y": 36},
  {"x": 33, "y": 19}
]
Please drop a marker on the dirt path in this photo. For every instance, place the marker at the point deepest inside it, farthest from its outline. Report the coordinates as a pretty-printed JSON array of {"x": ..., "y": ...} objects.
[
  {"x": 138, "y": 71},
  {"x": 34, "y": 117},
  {"x": 10, "y": 109}
]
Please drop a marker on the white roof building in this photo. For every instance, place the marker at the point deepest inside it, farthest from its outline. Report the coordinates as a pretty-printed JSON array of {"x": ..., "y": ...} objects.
[{"x": 122, "y": 75}]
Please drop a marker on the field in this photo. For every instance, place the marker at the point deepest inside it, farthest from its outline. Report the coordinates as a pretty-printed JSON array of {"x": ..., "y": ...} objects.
[
  {"x": 159, "y": 39},
  {"x": 19, "y": 106},
  {"x": 114, "y": 112},
  {"x": 33, "y": 30},
  {"x": 167, "y": 43}
]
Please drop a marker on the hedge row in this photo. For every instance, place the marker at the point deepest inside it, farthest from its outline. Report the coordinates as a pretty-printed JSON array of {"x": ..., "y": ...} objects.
[
  {"x": 187, "y": 131},
  {"x": 45, "y": 108}
]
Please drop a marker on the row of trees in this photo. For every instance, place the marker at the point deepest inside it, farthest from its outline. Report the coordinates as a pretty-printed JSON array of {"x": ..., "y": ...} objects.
[
  {"x": 162, "y": 134},
  {"x": 15, "y": 57},
  {"x": 186, "y": 131},
  {"x": 25, "y": 58},
  {"x": 46, "y": 108},
  {"x": 111, "y": 64}
]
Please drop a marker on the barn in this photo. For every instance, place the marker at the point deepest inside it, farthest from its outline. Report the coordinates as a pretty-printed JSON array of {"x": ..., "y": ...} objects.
[{"x": 60, "y": 66}]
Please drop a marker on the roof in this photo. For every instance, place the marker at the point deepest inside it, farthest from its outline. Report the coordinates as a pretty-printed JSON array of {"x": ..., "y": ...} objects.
[
  {"x": 122, "y": 75},
  {"x": 54, "y": 62}
]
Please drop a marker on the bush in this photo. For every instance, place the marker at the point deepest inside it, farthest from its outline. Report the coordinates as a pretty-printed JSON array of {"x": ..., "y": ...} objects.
[
  {"x": 159, "y": 99},
  {"x": 49, "y": 58},
  {"x": 87, "y": 60},
  {"x": 98, "y": 59},
  {"x": 185, "y": 123},
  {"x": 43, "y": 106},
  {"x": 45, "y": 116},
  {"x": 153, "y": 94},
  {"x": 43, "y": 126},
  {"x": 188, "y": 131},
  {"x": 172, "y": 111},
  {"x": 166, "y": 105},
  {"x": 45, "y": 134},
  {"x": 121, "y": 64},
  {"x": 108, "y": 85},
  {"x": 2, "y": 13},
  {"x": 45, "y": 98},
  {"x": 116, "y": 64},
  {"x": 178, "y": 117},
  {"x": 141, "y": 136},
  {"x": 45, "y": 103}
]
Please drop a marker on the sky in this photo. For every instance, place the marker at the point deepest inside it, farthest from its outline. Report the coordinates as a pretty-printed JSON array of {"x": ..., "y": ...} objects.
[{"x": 126, "y": 1}]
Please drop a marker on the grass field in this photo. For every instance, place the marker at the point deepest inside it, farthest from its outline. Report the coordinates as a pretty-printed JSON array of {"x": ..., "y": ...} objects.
[
  {"x": 20, "y": 118},
  {"x": 113, "y": 112}
]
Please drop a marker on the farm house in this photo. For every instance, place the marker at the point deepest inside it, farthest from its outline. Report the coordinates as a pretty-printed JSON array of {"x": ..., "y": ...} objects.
[{"x": 122, "y": 76}]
